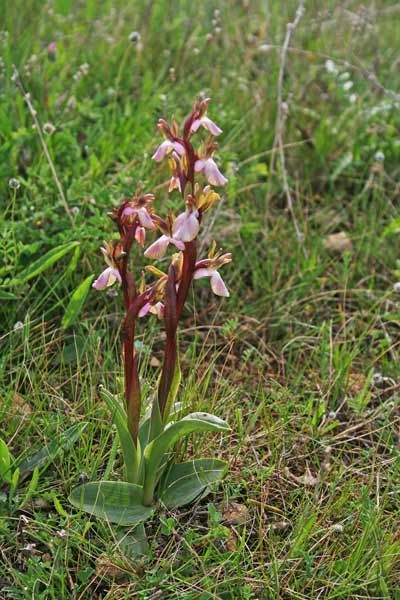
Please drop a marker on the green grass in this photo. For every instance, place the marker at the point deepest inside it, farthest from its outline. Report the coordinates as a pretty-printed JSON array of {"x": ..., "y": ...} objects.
[{"x": 289, "y": 360}]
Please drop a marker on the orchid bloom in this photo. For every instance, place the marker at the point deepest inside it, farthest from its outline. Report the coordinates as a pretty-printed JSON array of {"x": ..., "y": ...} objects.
[
  {"x": 217, "y": 283},
  {"x": 165, "y": 148},
  {"x": 142, "y": 214},
  {"x": 211, "y": 171},
  {"x": 209, "y": 268},
  {"x": 207, "y": 123},
  {"x": 159, "y": 247},
  {"x": 186, "y": 226},
  {"x": 155, "y": 309},
  {"x": 107, "y": 278}
]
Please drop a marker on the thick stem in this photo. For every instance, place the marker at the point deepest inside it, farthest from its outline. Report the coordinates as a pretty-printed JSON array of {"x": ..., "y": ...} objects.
[
  {"x": 189, "y": 262},
  {"x": 171, "y": 323},
  {"x": 132, "y": 382}
]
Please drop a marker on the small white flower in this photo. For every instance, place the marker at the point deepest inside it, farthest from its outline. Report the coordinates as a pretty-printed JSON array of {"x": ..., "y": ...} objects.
[
  {"x": 396, "y": 287},
  {"x": 353, "y": 98},
  {"x": 14, "y": 184},
  {"x": 48, "y": 128},
  {"x": 347, "y": 85},
  {"x": 75, "y": 210},
  {"x": 380, "y": 157},
  {"x": 330, "y": 66},
  {"x": 134, "y": 37},
  {"x": 18, "y": 325}
]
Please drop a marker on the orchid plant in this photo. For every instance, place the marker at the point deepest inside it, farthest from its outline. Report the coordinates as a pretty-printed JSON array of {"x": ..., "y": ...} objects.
[{"x": 147, "y": 441}]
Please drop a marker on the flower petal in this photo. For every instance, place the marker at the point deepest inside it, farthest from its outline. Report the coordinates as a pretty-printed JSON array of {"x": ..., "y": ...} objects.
[
  {"x": 218, "y": 286},
  {"x": 164, "y": 148},
  {"x": 158, "y": 309},
  {"x": 202, "y": 272},
  {"x": 140, "y": 235},
  {"x": 177, "y": 243},
  {"x": 186, "y": 226},
  {"x": 174, "y": 183},
  {"x": 195, "y": 125},
  {"x": 107, "y": 278},
  {"x": 145, "y": 219},
  {"x": 210, "y": 126},
  {"x": 213, "y": 174},
  {"x": 158, "y": 248},
  {"x": 179, "y": 148},
  {"x": 199, "y": 165},
  {"x": 144, "y": 310}
]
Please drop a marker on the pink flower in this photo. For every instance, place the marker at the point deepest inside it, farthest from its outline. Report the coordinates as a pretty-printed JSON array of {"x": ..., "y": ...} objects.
[
  {"x": 211, "y": 171},
  {"x": 207, "y": 124},
  {"x": 165, "y": 148},
  {"x": 217, "y": 283},
  {"x": 174, "y": 183},
  {"x": 107, "y": 278},
  {"x": 140, "y": 235},
  {"x": 155, "y": 309},
  {"x": 186, "y": 226},
  {"x": 144, "y": 218},
  {"x": 52, "y": 47},
  {"x": 159, "y": 247}
]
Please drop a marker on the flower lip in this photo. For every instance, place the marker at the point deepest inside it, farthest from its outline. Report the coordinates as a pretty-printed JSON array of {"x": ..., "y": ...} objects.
[
  {"x": 207, "y": 123},
  {"x": 186, "y": 226},
  {"x": 107, "y": 278},
  {"x": 211, "y": 171},
  {"x": 217, "y": 283},
  {"x": 166, "y": 147}
]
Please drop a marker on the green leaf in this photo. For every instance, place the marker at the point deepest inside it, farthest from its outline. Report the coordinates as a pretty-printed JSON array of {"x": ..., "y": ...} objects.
[
  {"x": 44, "y": 262},
  {"x": 133, "y": 542},
  {"x": 76, "y": 302},
  {"x": 393, "y": 227},
  {"x": 45, "y": 456},
  {"x": 187, "y": 481},
  {"x": 31, "y": 487},
  {"x": 115, "y": 501},
  {"x": 7, "y": 296},
  {"x": 193, "y": 423},
  {"x": 130, "y": 452},
  {"x": 5, "y": 462}
]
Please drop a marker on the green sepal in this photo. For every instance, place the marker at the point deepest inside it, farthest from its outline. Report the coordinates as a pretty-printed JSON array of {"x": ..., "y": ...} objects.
[
  {"x": 130, "y": 452},
  {"x": 115, "y": 501},
  {"x": 187, "y": 481}
]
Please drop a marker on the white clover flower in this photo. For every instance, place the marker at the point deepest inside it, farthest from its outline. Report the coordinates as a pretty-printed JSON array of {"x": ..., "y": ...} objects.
[
  {"x": 380, "y": 157},
  {"x": 396, "y": 287}
]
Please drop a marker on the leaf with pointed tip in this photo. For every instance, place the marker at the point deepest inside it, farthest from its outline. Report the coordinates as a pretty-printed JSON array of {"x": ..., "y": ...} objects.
[
  {"x": 130, "y": 452},
  {"x": 115, "y": 501},
  {"x": 189, "y": 480},
  {"x": 46, "y": 455},
  {"x": 153, "y": 455},
  {"x": 133, "y": 541},
  {"x": 44, "y": 262},
  {"x": 76, "y": 302}
]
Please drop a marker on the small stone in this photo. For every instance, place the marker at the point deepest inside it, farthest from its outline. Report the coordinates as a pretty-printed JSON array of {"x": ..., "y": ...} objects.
[{"x": 338, "y": 242}]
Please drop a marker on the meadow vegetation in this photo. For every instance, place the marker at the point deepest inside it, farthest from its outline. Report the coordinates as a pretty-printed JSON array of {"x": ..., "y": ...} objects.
[{"x": 302, "y": 359}]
